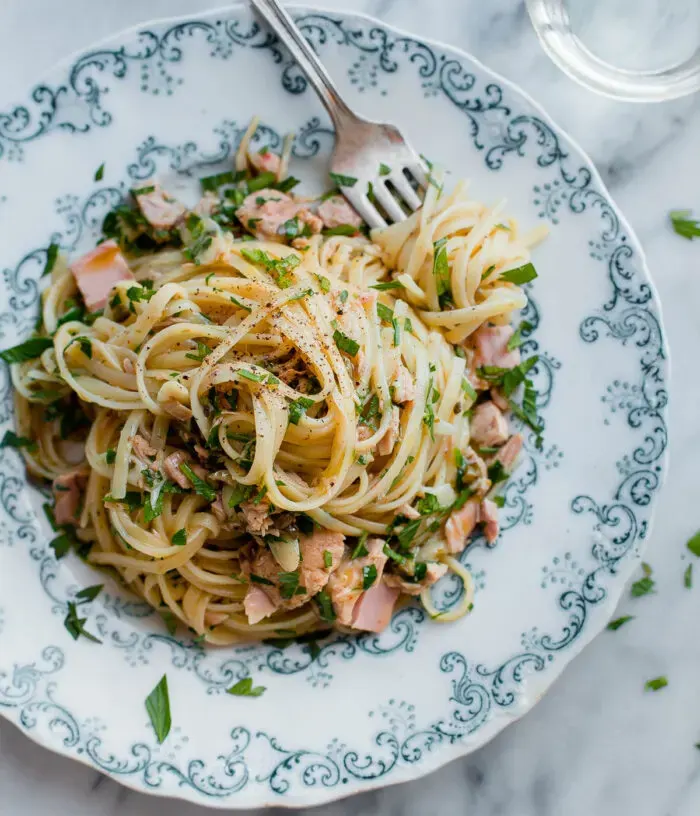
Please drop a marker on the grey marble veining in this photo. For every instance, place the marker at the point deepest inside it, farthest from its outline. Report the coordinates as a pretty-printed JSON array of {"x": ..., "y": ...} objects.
[{"x": 597, "y": 743}]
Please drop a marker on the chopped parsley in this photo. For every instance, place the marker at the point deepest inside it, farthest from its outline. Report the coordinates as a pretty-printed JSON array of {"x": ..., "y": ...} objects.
[
  {"x": 325, "y": 607},
  {"x": 76, "y": 625},
  {"x": 51, "y": 258},
  {"x": 258, "y": 579},
  {"x": 360, "y": 549},
  {"x": 614, "y": 625},
  {"x": 238, "y": 303},
  {"x": 342, "y": 181},
  {"x": 369, "y": 576},
  {"x": 132, "y": 499},
  {"x": 179, "y": 539},
  {"x": 428, "y": 505},
  {"x": 684, "y": 224},
  {"x": 200, "y": 486},
  {"x": 429, "y": 413},
  {"x": 469, "y": 389},
  {"x": 294, "y": 228},
  {"x": 345, "y": 343},
  {"x": 158, "y": 708},
  {"x": 341, "y": 229},
  {"x": 212, "y": 183},
  {"x": 645, "y": 585},
  {"x": 441, "y": 270},
  {"x": 694, "y": 544},
  {"x": 517, "y": 339},
  {"x": 384, "y": 287},
  {"x": 280, "y": 268},
  {"x": 384, "y": 169},
  {"x": 384, "y": 313},
  {"x": 298, "y": 408},
  {"x": 261, "y": 182},
  {"x": 408, "y": 533},
  {"x": 324, "y": 283},
  {"x": 251, "y": 375},
  {"x": 89, "y": 593},
  {"x": 100, "y": 172},
  {"x": 85, "y": 345},
  {"x": 497, "y": 473},
  {"x": 327, "y": 559},
  {"x": 170, "y": 622},
  {"x": 245, "y": 688},
  {"x": 202, "y": 351},
  {"x": 420, "y": 570},
  {"x": 343, "y": 296},
  {"x": 139, "y": 191},
  {"x": 289, "y": 584},
  {"x": 688, "y": 577},
  {"x": 519, "y": 275},
  {"x": 656, "y": 684},
  {"x": 11, "y": 440},
  {"x": 287, "y": 184},
  {"x": 201, "y": 239},
  {"x": 394, "y": 556},
  {"x": 240, "y": 494},
  {"x": 29, "y": 350}
]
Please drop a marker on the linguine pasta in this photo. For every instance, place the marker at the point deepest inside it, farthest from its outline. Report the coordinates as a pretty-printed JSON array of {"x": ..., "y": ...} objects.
[{"x": 268, "y": 428}]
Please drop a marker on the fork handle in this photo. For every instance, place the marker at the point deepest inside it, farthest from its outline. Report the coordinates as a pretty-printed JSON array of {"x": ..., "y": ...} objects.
[{"x": 288, "y": 33}]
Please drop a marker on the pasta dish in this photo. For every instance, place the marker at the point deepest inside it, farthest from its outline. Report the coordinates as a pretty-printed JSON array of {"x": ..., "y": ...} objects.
[{"x": 267, "y": 419}]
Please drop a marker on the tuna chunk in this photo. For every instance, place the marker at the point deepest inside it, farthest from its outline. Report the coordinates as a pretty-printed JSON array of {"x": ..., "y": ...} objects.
[
  {"x": 489, "y": 427},
  {"x": 402, "y": 383},
  {"x": 257, "y": 517},
  {"x": 387, "y": 442},
  {"x": 372, "y": 612},
  {"x": 176, "y": 410},
  {"x": 491, "y": 347},
  {"x": 265, "y": 212},
  {"x": 66, "y": 490},
  {"x": 98, "y": 272},
  {"x": 142, "y": 448},
  {"x": 314, "y": 573},
  {"x": 171, "y": 466},
  {"x": 460, "y": 526},
  {"x": 345, "y": 585},
  {"x": 265, "y": 161},
  {"x": 509, "y": 453},
  {"x": 336, "y": 212},
  {"x": 159, "y": 209},
  {"x": 488, "y": 514},
  {"x": 257, "y": 605}
]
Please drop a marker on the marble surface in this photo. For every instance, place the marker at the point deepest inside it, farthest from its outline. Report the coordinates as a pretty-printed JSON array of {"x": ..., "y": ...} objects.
[{"x": 597, "y": 743}]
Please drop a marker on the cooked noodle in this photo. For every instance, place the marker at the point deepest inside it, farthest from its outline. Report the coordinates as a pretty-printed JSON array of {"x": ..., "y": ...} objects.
[{"x": 272, "y": 373}]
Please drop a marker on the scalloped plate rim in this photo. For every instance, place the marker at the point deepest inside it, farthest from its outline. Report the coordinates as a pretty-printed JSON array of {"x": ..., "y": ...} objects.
[{"x": 538, "y": 685}]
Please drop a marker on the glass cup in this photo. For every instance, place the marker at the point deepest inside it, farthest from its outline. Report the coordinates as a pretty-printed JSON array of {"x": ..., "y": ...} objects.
[{"x": 637, "y": 50}]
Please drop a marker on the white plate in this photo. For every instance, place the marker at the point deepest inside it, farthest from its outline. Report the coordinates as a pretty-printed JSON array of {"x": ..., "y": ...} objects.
[{"x": 172, "y": 100}]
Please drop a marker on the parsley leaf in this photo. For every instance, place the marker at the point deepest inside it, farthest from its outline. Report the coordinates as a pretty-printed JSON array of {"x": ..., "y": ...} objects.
[
  {"x": 11, "y": 440},
  {"x": 280, "y": 268},
  {"x": 258, "y": 579},
  {"x": 298, "y": 408},
  {"x": 384, "y": 169},
  {"x": 158, "y": 708},
  {"x": 239, "y": 494},
  {"x": 360, "y": 549},
  {"x": 694, "y": 544},
  {"x": 656, "y": 684},
  {"x": 519, "y": 275},
  {"x": 441, "y": 268},
  {"x": 325, "y": 607},
  {"x": 76, "y": 625},
  {"x": 179, "y": 538},
  {"x": 289, "y": 584},
  {"x": 345, "y": 343},
  {"x": 614, "y": 625},
  {"x": 245, "y": 688},
  {"x": 342, "y": 181},
  {"x": 200, "y": 486},
  {"x": 645, "y": 585},
  {"x": 688, "y": 577},
  {"x": 100, "y": 172},
  {"x": 51, "y": 258},
  {"x": 89, "y": 593},
  {"x": 341, "y": 229},
  {"x": 384, "y": 313},
  {"x": 517, "y": 339},
  {"x": 369, "y": 576},
  {"x": 384, "y": 287},
  {"x": 684, "y": 224},
  {"x": 29, "y": 350},
  {"x": 202, "y": 351}
]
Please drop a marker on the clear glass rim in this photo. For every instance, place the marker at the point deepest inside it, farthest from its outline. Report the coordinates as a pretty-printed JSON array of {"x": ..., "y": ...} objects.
[{"x": 550, "y": 19}]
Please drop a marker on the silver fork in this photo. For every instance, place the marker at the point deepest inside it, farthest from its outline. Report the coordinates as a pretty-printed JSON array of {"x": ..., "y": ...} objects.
[{"x": 378, "y": 163}]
